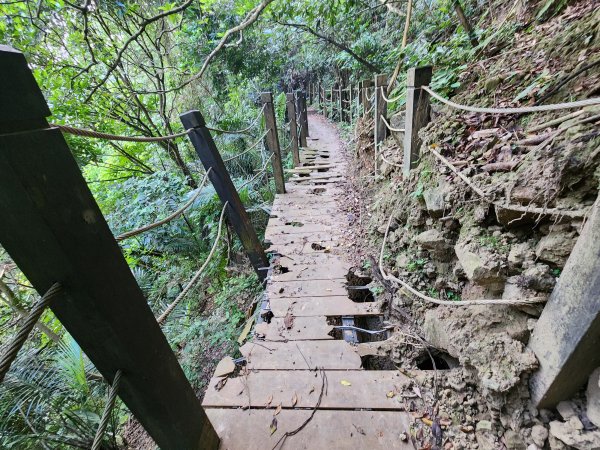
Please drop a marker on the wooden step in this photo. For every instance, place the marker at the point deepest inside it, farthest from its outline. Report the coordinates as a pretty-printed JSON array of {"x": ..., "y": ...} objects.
[
  {"x": 323, "y": 306},
  {"x": 303, "y": 329},
  {"x": 306, "y": 288}
]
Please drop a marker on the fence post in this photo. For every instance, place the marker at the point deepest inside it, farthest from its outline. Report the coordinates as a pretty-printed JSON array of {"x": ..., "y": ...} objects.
[
  {"x": 364, "y": 92},
  {"x": 380, "y": 109},
  {"x": 350, "y": 97},
  {"x": 273, "y": 141},
  {"x": 417, "y": 114},
  {"x": 324, "y": 105},
  {"x": 291, "y": 112},
  {"x": 219, "y": 177},
  {"x": 54, "y": 231},
  {"x": 332, "y": 103},
  {"x": 303, "y": 118}
]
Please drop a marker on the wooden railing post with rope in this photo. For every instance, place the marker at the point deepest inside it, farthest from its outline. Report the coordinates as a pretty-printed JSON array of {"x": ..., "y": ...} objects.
[
  {"x": 417, "y": 114},
  {"x": 219, "y": 177},
  {"x": 364, "y": 94},
  {"x": 291, "y": 112},
  {"x": 272, "y": 140},
  {"x": 303, "y": 117},
  {"x": 54, "y": 231},
  {"x": 380, "y": 111}
]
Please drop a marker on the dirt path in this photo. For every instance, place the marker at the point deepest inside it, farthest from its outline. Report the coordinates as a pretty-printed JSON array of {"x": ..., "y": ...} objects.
[{"x": 297, "y": 361}]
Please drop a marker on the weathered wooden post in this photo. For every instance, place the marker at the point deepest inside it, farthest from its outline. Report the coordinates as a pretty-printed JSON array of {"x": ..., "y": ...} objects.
[
  {"x": 272, "y": 140},
  {"x": 324, "y": 105},
  {"x": 340, "y": 102},
  {"x": 54, "y": 231},
  {"x": 417, "y": 114},
  {"x": 350, "y": 102},
  {"x": 291, "y": 112},
  {"x": 219, "y": 177},
  {"x": 364, "y": 94},
  {"x": 303, "y": 113},
  {"x": 379, "y": 111},
  {"x": 332, "y": 103},
  {"x": 567, "y": 334}
]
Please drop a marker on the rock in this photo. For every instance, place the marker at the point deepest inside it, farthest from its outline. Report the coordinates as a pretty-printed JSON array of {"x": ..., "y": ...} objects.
[
  {"x": 539, "y": 277},
  {"x": 434, "y": 202},
  {"x": 479, "y": 264},
  {"x": 556, "y": 247},
  {"x": 593, "y": 397},
  {"x": 533, "y": 447},
  {"x": 514, "y": 290},
  {"x": 581, "y": 440},
  {"x": 566, "y": 409},
  {"x": 513, "y": 441},
  {"x": 539, "y": 434},
  {"x": 518, "y": 254},
  {"x": 492, "y": 83},
  {"x": 485, "y": 441},
  {"x": 484, "y": 425},
  {"x": 435, "y": 242},
  {"x": 575, "y": 423}
]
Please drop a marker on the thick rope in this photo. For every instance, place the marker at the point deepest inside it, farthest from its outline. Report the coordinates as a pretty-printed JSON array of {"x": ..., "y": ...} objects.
[
  {"x": 525, "y": 109},
  {"x": 389, "y": 127},
  {"x": 114, "y": 137},
  {"x": 260, "y": 139},
  {"x": 196, "y": 276},
  {"x": 172, "y": 216},
  {"x": 389, "y": 100},
  {"x": 389, "y": 162},
  {"x": 110, "y": 404},
  {"x": 427, "y": 298},
  {"x": 517, "y": 208},
  {"x": 12, "y": 349}
]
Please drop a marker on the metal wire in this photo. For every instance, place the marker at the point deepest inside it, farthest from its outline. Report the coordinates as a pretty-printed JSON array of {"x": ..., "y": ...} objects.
[
  {"x": 110, "y": 404},
  {"x": 525, "y": 109},
  {"x": 242, "y": 131},
  {"x": 12, "y": 349},
  {"x": 260, "y": 139}
]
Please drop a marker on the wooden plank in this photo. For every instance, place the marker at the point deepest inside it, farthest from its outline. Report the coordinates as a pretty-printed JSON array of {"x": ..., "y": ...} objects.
[
  {"x": 219, "y": 177},
  {"x": 303, "y": 329},
  {"x": 288, "y": 239},
  {"x": 417, "y": 115},
  {"x": 55, "y": 232},
  {"x": 329, "y": 429},
  {"x": 319, "y": 267},
  {"x": 368, "y": 390},
  {"x": 291, "y": 112},
  {"x": 314, "y": 223},
  {"x": 272, "y": 141},
  {"x": 302, "y": 112},
  {"x": 323, "y": 306},
  {"x": 306, "y": 288},
  {"x": 332, "y": 355}
]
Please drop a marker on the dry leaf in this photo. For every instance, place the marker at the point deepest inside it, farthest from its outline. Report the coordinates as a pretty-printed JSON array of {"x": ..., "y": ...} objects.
[
  {"x": 225, "y": 367},
  {"x": 426, "y": 421},
  {"x": 391, "y": 394},
  {"x": 312, "y": 389},
  {"x": 269, "y": 400},
  {"x": 294, "y": 400},
  {"x": 277, "y": 410},
  {"x": 345, "y": 383},
  {"x": 417, "y": 391},
  {"x": 273, "y": 426}
]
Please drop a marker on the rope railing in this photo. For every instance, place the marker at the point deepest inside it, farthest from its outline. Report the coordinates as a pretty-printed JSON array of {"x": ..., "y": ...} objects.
[
  {"x": 389, "y": 100},
  {"x": 170, "y": 217},
  {"x": 242, "y": 131},
  {"x": 521, "y": 110},
  {"x": 115, "y": 137},
  {"x": 14, "y": 347},
  {"x": 389, "y": 127},
  {"x": 197, "y": 275},
  {"x": 259, "y": 173},
  {"x": 110, "y": 404},
  {"x": 259, "y": 140},
  {"x": 389, "y": 162}
]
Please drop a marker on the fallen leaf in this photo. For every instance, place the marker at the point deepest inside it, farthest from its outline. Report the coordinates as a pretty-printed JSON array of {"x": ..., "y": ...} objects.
[
  {"x": 269, "y": 400},
  {"x": 288, "y": 321},
  {"x": 277, "y": 410},
  {"x": 312, "y": 389},
  {"x": 225, "y": 367},
  {"x": 273, "y": 426},
  {"x": 391, "y": 394},
  {"x": 426, "y": 421},
  {"x": 345, "y": 383},
  {"x": 445, "y": 422},
  {"x": 294, "y": 400},
  {"x": 417, "y": 391}
]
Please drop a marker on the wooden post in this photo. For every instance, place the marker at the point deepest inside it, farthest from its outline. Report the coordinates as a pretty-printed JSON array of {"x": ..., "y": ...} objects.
[
  {"x": 324, "y": 105},
  {"x": 272, "y": 140},
  {"x": 332, "y": 103},
  {"x": 379, "y": 110},
  {"x": 54, "y": 231},
  {"x": 565, "y": 338},
  {"x": 417, "y": 114},
  {"x": 350, "y": 96},
  {"x": 340, "y": 103},
  {"x": 364, "y": 93},
  {"x": 303, "y": 118},
  {"x": 219, "y": 177},
  {"x": 291, "y": 112}
]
